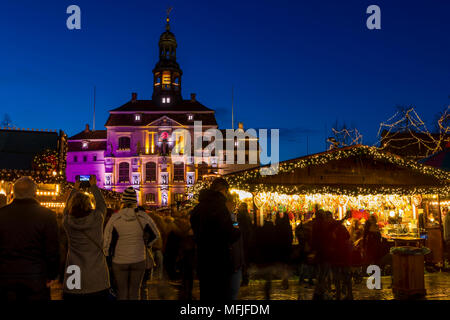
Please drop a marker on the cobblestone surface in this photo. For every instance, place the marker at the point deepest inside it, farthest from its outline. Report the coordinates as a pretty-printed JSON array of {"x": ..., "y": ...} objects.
[{"x": 437, "y": 286}]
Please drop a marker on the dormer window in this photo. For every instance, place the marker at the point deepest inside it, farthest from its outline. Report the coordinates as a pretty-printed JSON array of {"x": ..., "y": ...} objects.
[
  {"x": 190, "y": 117},
  {"x": 166, "y": 100},
  {"x": 137, "y": 117},
  {"x": 84, "y": 144}
]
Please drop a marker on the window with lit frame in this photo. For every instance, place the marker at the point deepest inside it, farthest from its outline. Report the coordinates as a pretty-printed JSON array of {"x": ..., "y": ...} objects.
[
  {"x": 124, "y": 143},
  {"x": 179, "y": 197},
  {"x": 150, "y": 172},
  {"x": 178, "y": 172},
  {"x": 124, "y": 172},
  {"x": 150, "y": 198}
]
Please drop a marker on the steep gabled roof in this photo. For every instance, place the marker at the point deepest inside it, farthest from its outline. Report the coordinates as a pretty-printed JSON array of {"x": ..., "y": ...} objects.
[
  {"x": 440, "y": 160},
  {"x": 419, "y": 179},
  {"x": 89, "y": 135},
  {"x": 92, "y": 146},
  {"x": 127, "y": 119},
  {"x": 150, "y": 105}
]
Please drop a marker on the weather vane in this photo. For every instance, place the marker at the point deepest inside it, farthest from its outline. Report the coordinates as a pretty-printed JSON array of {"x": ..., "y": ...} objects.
[{"x": 168, "y": 13}]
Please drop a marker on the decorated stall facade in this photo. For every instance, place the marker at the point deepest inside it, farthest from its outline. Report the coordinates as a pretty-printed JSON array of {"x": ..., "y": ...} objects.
[{"x": 359, "y": 179}]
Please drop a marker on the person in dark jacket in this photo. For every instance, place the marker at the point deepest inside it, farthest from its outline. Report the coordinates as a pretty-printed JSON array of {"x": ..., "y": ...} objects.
[
  {"x": 214, "y": 234},
  {"x": 284, "y": 238},
  {"x": 303, "y": 232},
  {"x": 320, "y": 246},
  {"x": 246, "y": 227},
  {"x": 29, "y": 246},
  {"x": 265, "y": 253},
  {"x": 237, "y": 255}
]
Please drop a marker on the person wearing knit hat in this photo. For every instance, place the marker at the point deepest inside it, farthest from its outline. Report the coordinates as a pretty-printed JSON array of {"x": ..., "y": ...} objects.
[
  {"x": 129, "y": 197},
  {"x": 127, "y": 234}
]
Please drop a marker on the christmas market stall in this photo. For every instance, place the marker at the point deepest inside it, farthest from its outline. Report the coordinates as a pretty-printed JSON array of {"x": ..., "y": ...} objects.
[{"x": 356, "y": 180}]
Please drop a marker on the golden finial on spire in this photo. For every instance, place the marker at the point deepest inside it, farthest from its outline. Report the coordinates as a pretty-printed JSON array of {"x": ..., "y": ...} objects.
[
  {"x": 168, "y": 19},
  {"x": 168, "y": 13}
]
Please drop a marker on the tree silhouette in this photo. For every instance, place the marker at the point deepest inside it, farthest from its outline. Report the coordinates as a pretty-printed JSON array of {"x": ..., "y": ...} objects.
[{"x": 6, "y": 122}]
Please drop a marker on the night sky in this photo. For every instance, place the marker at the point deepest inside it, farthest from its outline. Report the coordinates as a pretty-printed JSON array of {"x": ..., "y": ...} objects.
[{"x": 299, "y": 66}]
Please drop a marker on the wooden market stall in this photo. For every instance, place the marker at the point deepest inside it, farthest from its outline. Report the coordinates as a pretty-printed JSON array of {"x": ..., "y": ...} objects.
[{"x": 359, "y": 179}]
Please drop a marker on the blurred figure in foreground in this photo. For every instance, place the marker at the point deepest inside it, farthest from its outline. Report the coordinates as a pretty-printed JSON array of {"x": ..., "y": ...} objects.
[
  {"x": 29, "y": 246},
  {"x": 214, "y": 234},
  {"x": 246, "y": 227},
  {"x": 284, "y": 238},
  {"x": 264, "y": 253}
]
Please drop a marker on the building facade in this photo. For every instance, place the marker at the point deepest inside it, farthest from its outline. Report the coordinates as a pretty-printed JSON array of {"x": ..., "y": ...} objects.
[{"x": 144, "y": 144}]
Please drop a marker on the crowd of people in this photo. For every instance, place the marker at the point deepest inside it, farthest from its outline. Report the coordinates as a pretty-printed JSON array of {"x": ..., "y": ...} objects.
[{"x": 120, "y": 252}]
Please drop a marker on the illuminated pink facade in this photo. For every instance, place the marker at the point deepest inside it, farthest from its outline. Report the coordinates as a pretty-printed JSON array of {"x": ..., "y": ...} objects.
[{"x": 137, "y": 146}]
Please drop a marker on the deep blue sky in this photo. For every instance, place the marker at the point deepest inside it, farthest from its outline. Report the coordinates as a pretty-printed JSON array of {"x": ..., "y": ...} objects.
[{"x": 295, "y": 65}]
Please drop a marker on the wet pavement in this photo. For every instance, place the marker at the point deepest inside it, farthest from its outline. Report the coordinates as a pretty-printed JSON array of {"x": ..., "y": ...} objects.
[{"x": 437, "y": 285}]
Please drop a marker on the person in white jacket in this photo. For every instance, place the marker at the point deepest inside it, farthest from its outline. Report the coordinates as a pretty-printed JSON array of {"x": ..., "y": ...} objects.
[{"x": 129, "y": 232}]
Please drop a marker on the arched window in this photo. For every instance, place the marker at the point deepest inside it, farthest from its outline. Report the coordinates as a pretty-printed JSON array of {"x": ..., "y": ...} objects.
[
  {"x": 178, "y": 172},
  {"x": 202, "y": 170},
  {"x": 124, "y": 172},
  {"x": 150, "y": 172},
  {"x": 124, "y": 143}
]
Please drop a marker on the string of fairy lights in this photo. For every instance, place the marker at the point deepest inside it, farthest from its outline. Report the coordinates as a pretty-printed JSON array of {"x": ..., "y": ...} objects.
[
  {"x": 408, "y": 121},
  {"x": 253, "y": 181},
  {"x": 345, "y": 137}
]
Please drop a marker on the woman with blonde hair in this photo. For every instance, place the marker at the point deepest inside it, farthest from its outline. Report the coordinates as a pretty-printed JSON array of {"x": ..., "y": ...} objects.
[{"x": 84, "y": 228}]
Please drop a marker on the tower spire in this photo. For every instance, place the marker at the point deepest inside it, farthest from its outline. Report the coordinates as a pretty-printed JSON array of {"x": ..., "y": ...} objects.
[
  {"x": 167, "y": 72},
  {"x": 168, "y": 18}
]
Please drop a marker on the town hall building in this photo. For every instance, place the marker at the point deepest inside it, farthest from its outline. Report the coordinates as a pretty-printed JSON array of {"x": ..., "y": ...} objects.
[{"x": 138, "y": 146}]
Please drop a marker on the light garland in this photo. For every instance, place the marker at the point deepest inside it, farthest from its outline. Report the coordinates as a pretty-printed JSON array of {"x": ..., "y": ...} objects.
[
  {"x": 344, "y": 138},
  {"x": 243, "y": 180},
  {"x": 53, "y": 204},
  {"x": 248, "y": 180},
  {"x": 408, "y": 121}
]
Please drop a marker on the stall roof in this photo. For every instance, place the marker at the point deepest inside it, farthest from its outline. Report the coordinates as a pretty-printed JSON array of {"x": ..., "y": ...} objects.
[
  {"x": 440, "y": 160},
  {"x": 350, "y": 170}
]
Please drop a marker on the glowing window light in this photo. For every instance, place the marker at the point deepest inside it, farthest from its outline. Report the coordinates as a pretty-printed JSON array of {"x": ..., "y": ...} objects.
[{"x": 166, "y": 77}]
